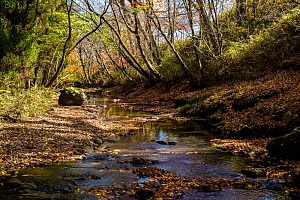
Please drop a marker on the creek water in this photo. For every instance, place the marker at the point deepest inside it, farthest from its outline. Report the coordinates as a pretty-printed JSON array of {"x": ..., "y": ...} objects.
[{"x": 191, "y": 155}]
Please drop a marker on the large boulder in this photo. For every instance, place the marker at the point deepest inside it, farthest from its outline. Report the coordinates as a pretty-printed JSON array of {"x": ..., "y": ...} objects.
[
  {"x": 71, "y": 97},
  {"x": 286, "y": 146}
]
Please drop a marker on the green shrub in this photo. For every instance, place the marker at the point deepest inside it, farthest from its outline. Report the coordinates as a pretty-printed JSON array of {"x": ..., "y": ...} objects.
[
  {"x": 184, "y": 109},
  {"x": 265, "y": 49},
  {"x": 10, "y": 81},
  {"x": 197, "y": 99},
  {"x": 169, "y": 66},
  {"x": 19, "y": 104}
]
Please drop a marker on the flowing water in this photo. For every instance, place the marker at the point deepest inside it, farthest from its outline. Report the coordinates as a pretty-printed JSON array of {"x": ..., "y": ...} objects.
[{"x": 191, "y": 155}]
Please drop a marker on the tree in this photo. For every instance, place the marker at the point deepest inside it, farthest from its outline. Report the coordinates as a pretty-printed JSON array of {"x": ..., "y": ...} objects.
[
  {"x": 67, "y": 50},
  {"x": 17, "y": 22},
  {"x": 113, "y": 24},
  {"x": 190, "y": 16},
  {"x": 157, "y": 23},
  {"x": 240, "y": 11},
  {"x": 136, "y": 30}
]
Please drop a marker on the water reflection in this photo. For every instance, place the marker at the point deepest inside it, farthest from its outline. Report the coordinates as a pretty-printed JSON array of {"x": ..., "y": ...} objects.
[
  {"x": 161, "y": 136},
  {"x": 192, "y": 156}
]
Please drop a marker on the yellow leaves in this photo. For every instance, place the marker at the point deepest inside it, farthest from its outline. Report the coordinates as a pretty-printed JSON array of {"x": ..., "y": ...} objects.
[
  {"x": 73, "y": 68},
  {"x": 116, "y": 151},
  {"x": 101, "y": 193},
  {"x": 5, "y": 91},
  {"x": 74, "y": 63}
]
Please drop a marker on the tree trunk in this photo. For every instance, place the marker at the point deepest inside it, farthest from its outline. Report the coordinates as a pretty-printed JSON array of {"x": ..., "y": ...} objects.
[
  {"x": 63, "y": 57},
  {"x": 176, "y": 53},
  {"x": 117, "y": 65},
  {"x": 188, "y": 6},
  {"x": 135, "y": 64},
  {"x": 152, "y": 43},
  {"x": 144, "y": 57},
  {"x": 83, "y": 66},
  {"x": 240, "y": 11},
  {"x": 101, "y": 62}
]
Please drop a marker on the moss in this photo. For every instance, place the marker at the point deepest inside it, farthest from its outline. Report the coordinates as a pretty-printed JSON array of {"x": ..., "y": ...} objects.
[
  {"x": 190, "y": 104},
  {"x": 286, "y": 146},
  {"x": 71, "y": 96},
  {"x": 72, "y": 90}
]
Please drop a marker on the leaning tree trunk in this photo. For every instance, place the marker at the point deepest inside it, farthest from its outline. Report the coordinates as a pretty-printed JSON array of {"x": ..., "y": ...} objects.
[
  {"x": 63, "y": 57},
  {"x": 176, "y": 53},
  {"x": 129, "y": 56}
]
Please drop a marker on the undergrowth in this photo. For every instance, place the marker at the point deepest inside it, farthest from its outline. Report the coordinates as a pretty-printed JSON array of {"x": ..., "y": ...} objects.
[
  {"x": 19, "y": 103},
  {"x": 263, "y": 50},
  {"x": 25, "y": 103},
  {"x": 269, "y": 46}
]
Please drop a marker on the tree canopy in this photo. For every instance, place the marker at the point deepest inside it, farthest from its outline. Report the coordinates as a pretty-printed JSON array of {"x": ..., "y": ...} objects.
[{"x": 53, "y": 43}]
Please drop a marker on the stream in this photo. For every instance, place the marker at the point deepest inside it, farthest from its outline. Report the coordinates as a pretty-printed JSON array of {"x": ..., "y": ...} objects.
[{"x": 187, "y": 152}]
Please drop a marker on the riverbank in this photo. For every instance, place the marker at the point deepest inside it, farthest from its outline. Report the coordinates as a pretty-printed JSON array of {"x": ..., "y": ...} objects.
[
  {"x": 261, "y": 108},
  {"x": 264, "y": 107},
  {"x": 247, "y": 115},
  {"x": 62, "y": 134}
]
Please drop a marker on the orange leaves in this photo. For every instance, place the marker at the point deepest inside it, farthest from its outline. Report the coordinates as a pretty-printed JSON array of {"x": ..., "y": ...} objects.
[
  {"x": 252, "y": 148},
  {"x": 74, "y": 63}
]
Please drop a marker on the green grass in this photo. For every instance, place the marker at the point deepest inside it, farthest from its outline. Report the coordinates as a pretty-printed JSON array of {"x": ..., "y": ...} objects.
[
  {"x": 20, "y": 104},
  {"x": 190, "y": 104}
]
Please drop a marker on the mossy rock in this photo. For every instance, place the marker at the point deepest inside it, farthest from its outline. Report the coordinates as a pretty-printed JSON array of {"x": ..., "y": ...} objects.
[
  {"x": 286, "y": 146},
  {"x": 244, "y": 132},
  {"x": 71, "y": 97}
]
